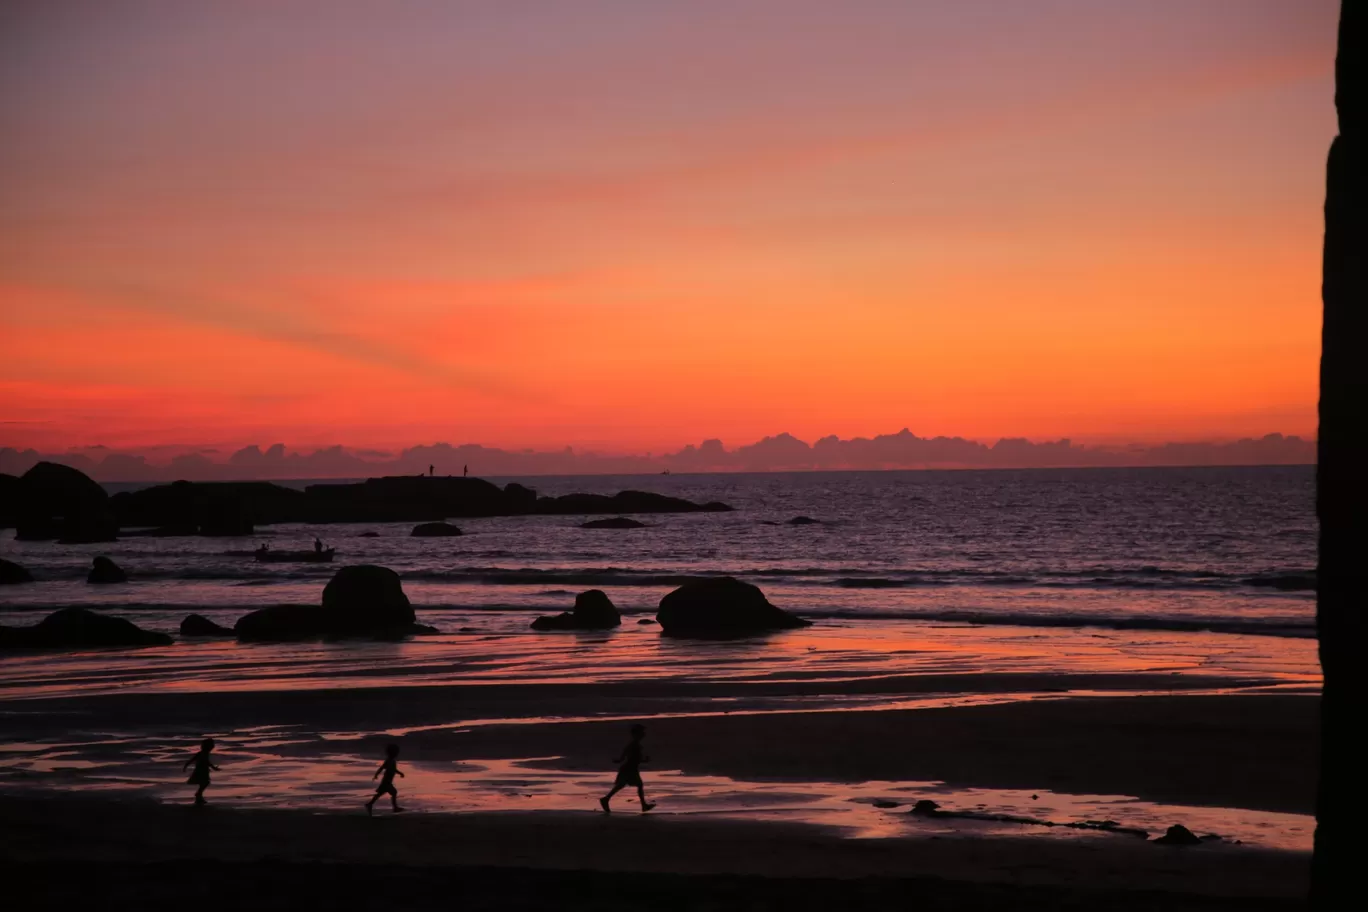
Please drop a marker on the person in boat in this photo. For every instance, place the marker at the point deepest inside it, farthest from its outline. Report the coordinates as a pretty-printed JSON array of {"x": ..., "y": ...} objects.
[
  {"x": 318, "y": 546},
  {"x": 264, "y": 547}
]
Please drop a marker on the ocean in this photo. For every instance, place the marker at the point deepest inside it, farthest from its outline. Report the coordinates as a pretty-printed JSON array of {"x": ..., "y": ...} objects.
[{"x": 1088, "y": 570}]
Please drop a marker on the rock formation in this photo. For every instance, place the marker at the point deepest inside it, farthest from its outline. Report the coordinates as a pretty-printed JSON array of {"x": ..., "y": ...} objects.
[
  {"x": 593, "y": 611},
  {"x": 720, "y": 607},
  {"x": 11, "y": 574},
  {"x": 197, "y": 625},
  {"x": 435, "y": 530},
  {"x": 77, "y": 628},
  {"x": 617, "y": 522},
  {"x": 104, "y": 570}
]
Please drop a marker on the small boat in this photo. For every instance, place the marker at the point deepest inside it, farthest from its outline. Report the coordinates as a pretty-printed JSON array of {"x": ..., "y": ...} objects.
[{"x": 266, "y": 556}]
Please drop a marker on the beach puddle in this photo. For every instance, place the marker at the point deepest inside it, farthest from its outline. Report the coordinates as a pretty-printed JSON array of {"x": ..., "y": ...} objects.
[{"x": 255, "y": 774}]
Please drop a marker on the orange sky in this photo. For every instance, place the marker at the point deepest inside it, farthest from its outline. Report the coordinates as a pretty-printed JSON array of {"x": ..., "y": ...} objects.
[{"x": 629, "y": 226}]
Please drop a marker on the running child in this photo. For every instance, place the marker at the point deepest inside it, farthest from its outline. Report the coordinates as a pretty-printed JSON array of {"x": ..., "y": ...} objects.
[
  {"x": 629, "y": 772},
  {"x": 391, "y": 769}
]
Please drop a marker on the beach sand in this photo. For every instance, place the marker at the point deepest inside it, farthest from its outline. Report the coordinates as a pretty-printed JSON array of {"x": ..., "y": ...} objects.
[{"x": 1240, "y": 750}]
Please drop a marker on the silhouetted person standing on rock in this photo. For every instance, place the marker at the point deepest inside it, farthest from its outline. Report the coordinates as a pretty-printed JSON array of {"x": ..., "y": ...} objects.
[
  {"x": 465, "y": 471},
  {"x": 318, "y": 546},
  {"x": 203, "y": 765},
  {"x": 629, "y": 772},
  {"x": 391, "y": 769},
  {"x": 431, "y": 470}
]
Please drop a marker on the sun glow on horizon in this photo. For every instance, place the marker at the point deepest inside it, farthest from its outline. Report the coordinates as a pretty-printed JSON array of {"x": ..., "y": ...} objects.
[{"x": 557, "y": 226}]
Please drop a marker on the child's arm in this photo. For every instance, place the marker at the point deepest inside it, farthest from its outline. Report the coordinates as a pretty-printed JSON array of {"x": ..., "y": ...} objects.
[
  {"x": 213, "y": 767},
  {"x": 378, "y": 771},
  {"x": 398, "y": 772},
  {"x": 186, "y": 764}
]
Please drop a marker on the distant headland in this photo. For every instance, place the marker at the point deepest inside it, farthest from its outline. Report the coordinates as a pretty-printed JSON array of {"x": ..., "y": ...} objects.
[{"x": 781, "y": 452}]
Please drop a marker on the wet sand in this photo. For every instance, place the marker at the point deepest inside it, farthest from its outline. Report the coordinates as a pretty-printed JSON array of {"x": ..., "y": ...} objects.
[
  {"x": 126, "y": 853},
  {"x": 1243, "y": 750}
]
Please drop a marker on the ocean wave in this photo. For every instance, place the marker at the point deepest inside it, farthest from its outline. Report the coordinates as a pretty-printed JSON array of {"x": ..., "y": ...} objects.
[
  {"x": 1277, "y": 626},
  {"x": 1288, "y": 580}
]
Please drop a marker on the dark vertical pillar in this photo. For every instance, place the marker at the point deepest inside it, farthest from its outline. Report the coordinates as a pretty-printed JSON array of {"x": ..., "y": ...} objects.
[{"x": 1340, "y": 868}]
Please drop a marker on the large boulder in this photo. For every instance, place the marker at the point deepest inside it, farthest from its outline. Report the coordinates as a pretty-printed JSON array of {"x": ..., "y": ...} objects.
[
  {"x": 197, "y": 625},
  {"x": 104, "y": 570},
  {"x": 721, "y": 607},
  {"x": 366, "y": 599},
  {"x": 59, "y": 502},
  {"x": 593, "y": 611},
  {"x": 617, "y": 522},
  {"x": 435, "y": 530},
  {"x": 12, "y": 574},
  {"x": 361, "y": 601},
  {"x": 78, "y": 627}
]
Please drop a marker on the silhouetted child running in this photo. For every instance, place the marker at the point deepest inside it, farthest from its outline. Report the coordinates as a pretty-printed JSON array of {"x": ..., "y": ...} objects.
[
  {"x": 391, "y": 769},
  {"x": 203, "y": 765},
  {"x": 629, "y": 772}
]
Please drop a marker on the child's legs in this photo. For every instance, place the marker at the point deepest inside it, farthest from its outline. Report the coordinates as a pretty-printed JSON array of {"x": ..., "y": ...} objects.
[
  {"x": 641, "y": 792},
  {"x": 394, "y": 796},
  {"x": 617, "y": 787}
]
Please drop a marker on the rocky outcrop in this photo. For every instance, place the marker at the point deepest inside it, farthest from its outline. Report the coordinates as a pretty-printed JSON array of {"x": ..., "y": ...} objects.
[
  {"x": 435, "y": 530},
  {"x": 236, "y": 508},
  {"x": 593, "y": 611},
  {"x": 73, "y": 628},
  {"x": 197, "y": 625},
  {"x": 224, "y": 509},
  {"x": 58, "y": 502},
  {"x": 104, "y": 570},
  {"x": 721, "y": 607},
  {"x": 804, "y": 521},
  {"x": 362, "y": 601},
  {"x": 617, "y": 522},
  {"x": 12, "y": 574}
]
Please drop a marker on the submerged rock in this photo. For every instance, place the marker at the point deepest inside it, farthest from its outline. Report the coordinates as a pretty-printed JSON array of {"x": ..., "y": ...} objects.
[
  {"x": 719, "y": 607},
  {"x": 78, "y": 627},
  {"x": 12, "y": 574},
  {"x": 197, "y": 625},
  {"x": 434, "y": 530},
  {"x": 617, "y": 522},
  {"x": 804, "y": 521},
  {"x": 925, "y": 808},
  {"x": 105, "y": 570},
  {"x": 593, "y": 611},
  {"x": 1178, "y": 835},
  {"x": 369, "y": 535}
]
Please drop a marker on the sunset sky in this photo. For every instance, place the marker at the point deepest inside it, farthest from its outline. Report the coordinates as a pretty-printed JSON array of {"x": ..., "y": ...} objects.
[{"x": 631, "y": 225}]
